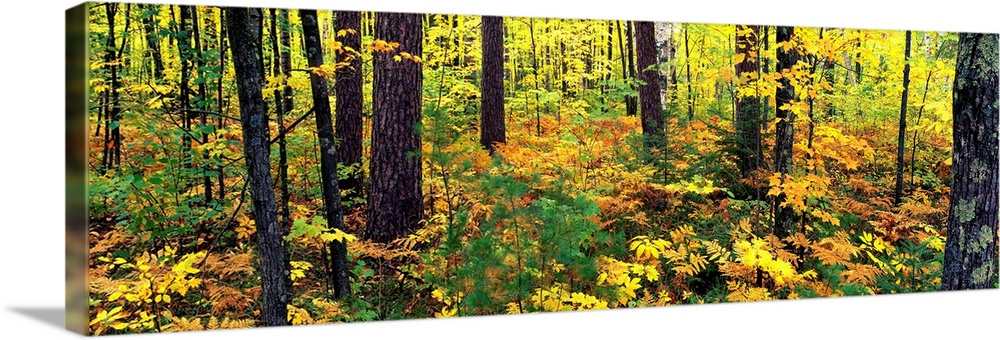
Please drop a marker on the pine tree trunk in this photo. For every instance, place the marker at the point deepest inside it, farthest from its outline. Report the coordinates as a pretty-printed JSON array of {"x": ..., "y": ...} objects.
[
  {"x": 349, "y": 102},
  {"x": 328, "y": 153},
  {"x": 970, "y": 258},
  {"x": 784, "y": 217},
  {"x": 395, "y": 205},
  {"x": 649, "y": 94},
  {"x": 275, "y": 292},
  {"x": 491, "y": 118}
]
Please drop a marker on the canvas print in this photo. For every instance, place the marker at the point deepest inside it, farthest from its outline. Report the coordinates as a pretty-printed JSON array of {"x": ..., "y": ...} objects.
[{"x": 252, "y": 167}]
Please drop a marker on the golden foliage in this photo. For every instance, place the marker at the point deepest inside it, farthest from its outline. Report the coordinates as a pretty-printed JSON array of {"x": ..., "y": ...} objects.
[
  {"x": 224, "y": 298},
  {"x": 230, "y": 265},
  {"x": 836, "y": 249}
]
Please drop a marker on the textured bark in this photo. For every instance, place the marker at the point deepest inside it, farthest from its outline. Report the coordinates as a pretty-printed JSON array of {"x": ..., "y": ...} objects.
[
  {"x": 111, "y": 136},
  {"x": 610, "y": 55},
  {"x": 220, "y": 123},
  {"x": 276, "y": 69},
  {"x": 395, "y": 205},
  {"x": 273, "y": 271},
  {"x": 534, "y": 68},
  {"x": 687, "y": 64},
  {"x": 784, "y": 217},
  {"x": 349, "y": 102},
  {"x": 750, "y": 154},
  {"x": 631, "y": 102},
  {"x": 184, "y": 52},
  {"x": 491, "y": 117},
  {"x": 901, "y": 145},
  {"x": 328, "y": 153},
  {"x": 202, "y": 96},
  {"x": 970, "y": 258},
  {"x": 848, "y": 62},
  {"x": 649, "y": 94},
  {"x": 665, "y": 48},
  {"x": 152, "y": 40}
]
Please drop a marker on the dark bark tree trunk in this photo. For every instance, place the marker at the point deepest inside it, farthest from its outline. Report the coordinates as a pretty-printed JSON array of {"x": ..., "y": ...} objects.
[
  {"x": 534, "y": 66},
  {"x": 277, "y": 68},
  {"x": 901, "y": 145},
  {"x": 395, "y": 205},
  {"x": 621, "y": 53},
  {"x": 111, "y": 94},
  {"x": 631, "y": 102},
  {"x": 328, "y": 154},
  {"x": 273, "y": 271},
  {"x": 610, "y": 56},
  {"x": 202, "y": 97},
  {"x": 184, "y": 51},
  {"x": 649, "y": 94},
  {"x": 492, "y": 124},
  {"x": 687, "y": 64},
  {"x": 765, "y": 69},
  {"x": 970, "y": 258},
  {"x": 750, "y": 153},
  {"x": 349, "y": 103},
  {"x": 153, "y": 40},
  {"x": 784, "y": 217},
  {"x": 221, "y": 38},
  {"x": 257, "y": 23},
  {"x": 125, "y": 47}
]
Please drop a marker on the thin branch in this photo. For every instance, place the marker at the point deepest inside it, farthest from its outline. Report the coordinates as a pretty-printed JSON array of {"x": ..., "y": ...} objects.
[
  {"x": 225, "y": 227},
  {"x": 282, "y": 134}
]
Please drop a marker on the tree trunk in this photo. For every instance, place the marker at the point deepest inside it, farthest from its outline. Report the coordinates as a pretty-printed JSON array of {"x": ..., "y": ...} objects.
[
  {"x": 610, "y": 57},
  {"x": 750, "y": 153},
  {"x": 970, "y": 257},
  {"x": 395, "y": 206},
  {"x": 328, "y": 153},
  {"x": 273, "y": 271},
  {"x": 221, "y": 38},
  {"x": 279, "y": 99},
  {"x": 111, "y": 94},
  {"x": 534, "y": 66},
  {"x": 687, "y": 64},
  {"x": 492, "y": 128},
  {"x": 349, "y": 103},
  {"x": 202, "y": 97},
  {"x": 649, "y": 94},
  {"x": 665, "y": 48},
  {"x": 784, "y": 217},
  {"x": 848, "y": 63},
  {"x": 184, "y": 52},
  {"x": 900, "y": 145},
  {"x": 631, "y": 102},
  {"x": 153, "y": 40}
]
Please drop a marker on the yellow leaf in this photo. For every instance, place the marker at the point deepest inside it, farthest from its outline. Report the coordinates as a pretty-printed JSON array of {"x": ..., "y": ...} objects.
[{"x": 738, "y": 58}]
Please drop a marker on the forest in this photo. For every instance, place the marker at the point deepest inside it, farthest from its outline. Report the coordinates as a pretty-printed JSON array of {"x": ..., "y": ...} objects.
[{"x": 256, "y": 167}]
